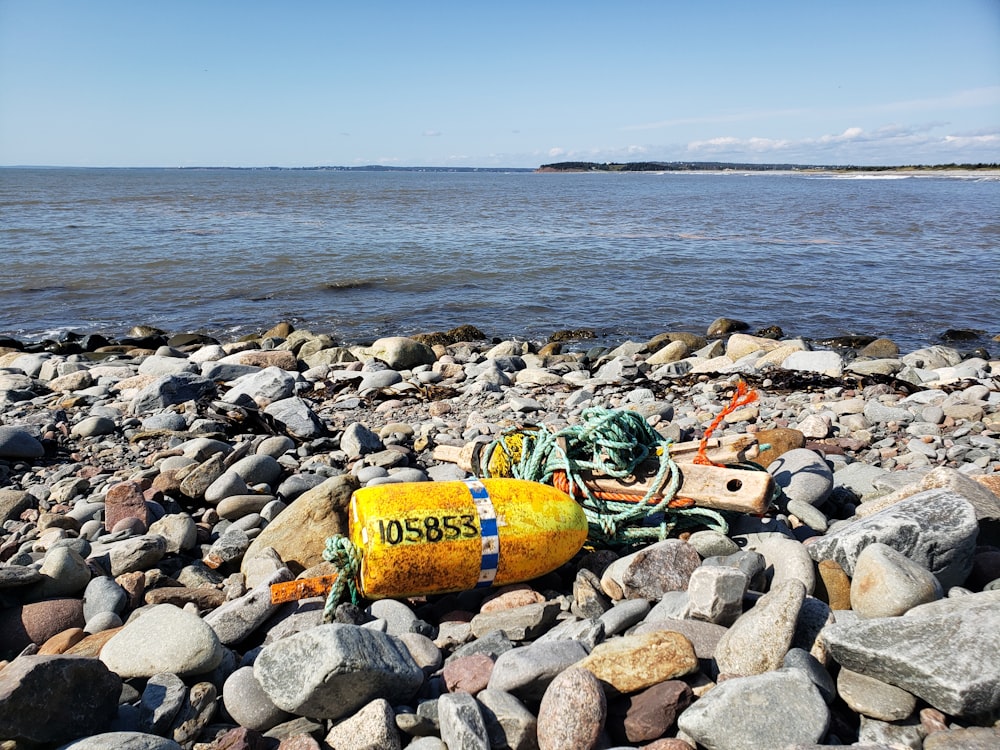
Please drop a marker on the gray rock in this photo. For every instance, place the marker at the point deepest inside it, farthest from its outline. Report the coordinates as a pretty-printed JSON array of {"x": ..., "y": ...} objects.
[
  {"x": 803, "y": 475},
  {"x": 652, "y": 571},
  {"x": 810, "y": 515},
  {"x": 937, "y": 529},
  {"x": 358, "y": 440},
  {"x": 858, "y": 479},
  {"x": 102, "y": 621},
  {"x": 798, "y": 658},
  {"x": 704, "y": 636},
  {"x": 19, "y": 443},
  {"x": 166, "y": 420},
  {"x": 871, "y": 697},
  {"x": 787, "y": 560},
  {"x": 896, "y": 735},
  {"x": 296, "y": 416},
  {"x": 49, "y": 699},
  {"x": 886, "y": 583},
  {"x": 373, "y": 727},
  {"x": 162, "y": 699},
  {"x": 944, "y": 652},
  {"x": 163, "y": 638},
  {"x": 237, "y": 619},
  {"x": 169, "y": 390},
  {"x": 332, "y": 670},
  {"x": 179, "y": 532},
  {"x": 379, "y": 379},
  {"x": 398, "y": 616},
  {"x": 462, "y": 725},
  {"x": 94, "y": 427},
  {"x": 509, "y": 724},
  {"x": 195, "y": 714},
  {"x": 66, "y": 573},
  {"x": 229, "y": 483},
  {"x": 123, "y": 741},
  {"x": 715, "y": 594},
  {"x": 401, "y": 353},
  {"x": 622, "y": 616},
  {"x": 136, "y": 553},
  {"x": 520, "y": 623},
  {"x": 248, "y": 704},
  {"x": 758, "y": 641},
  {"x": 762, "y": 712},
  {"x": 710, "y": 543},
  {"x": 264, "y": 386},
  {"x": 824, "y": 362},
  {"x": 878, "y": 413},
  {"x": 526, "y": 671},
  {"x": 423, "y": 650}
]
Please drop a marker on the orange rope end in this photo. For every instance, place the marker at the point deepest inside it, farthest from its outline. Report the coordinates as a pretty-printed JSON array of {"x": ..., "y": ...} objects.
[{"x": 742, "y": 397}]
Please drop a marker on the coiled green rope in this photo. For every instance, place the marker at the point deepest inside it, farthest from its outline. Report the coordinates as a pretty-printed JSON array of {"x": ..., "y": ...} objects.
[
  {"x": 346, "y": 558},
  {"x": 612, "y": 442}
]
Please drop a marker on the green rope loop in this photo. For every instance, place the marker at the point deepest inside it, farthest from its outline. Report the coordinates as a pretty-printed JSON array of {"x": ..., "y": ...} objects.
[
  {"x": 346, "y": 559},
  {"x": 613, "y": 442}
]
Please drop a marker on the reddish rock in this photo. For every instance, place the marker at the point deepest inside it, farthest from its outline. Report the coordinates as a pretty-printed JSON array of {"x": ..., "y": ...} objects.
[
  {"x": 240, "y": 738},
  {"x": 36, "y": 623},
  {"x": 299, "y": 742},
  {"x": 511, "y": 597},
  {"x": 91, "y": 645},
  {"x": 125, "y": 500},
  {"x": 779, "y": 440},
  {"x": 653, "y": 711},
  {"x": 134, "y": 584},
  {"x": 468, "y": 673},
  {"x": 669, "y": 743}
]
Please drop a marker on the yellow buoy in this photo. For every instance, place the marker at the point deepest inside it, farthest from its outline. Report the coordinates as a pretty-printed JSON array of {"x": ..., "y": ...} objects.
[{"x": 435, "y": 537}]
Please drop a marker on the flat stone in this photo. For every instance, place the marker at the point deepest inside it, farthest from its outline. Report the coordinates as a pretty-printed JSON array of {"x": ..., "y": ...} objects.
[
  {"x": 944, "y": 652},
  {"x": 704, "y": 636},
  {"x": 125, "y": 500},
  {"x": 572, "y": 713},
  {"x": 760, "y": 712},
  {"x": 332, "y": 670},
  {"x": 50, "y": 699},
  {"x": 136, "y": 553},
  {"x": 238, "y": 618},
  {"x": 871, "y": 697},
  {"x": 469, "y": 674},
  {"x": 163, "y": 639},
  {"x": 758, "y": 641},
  {"x": 635, "y": 662},
  {"x": 169, "y": 390},
  {"x": 886, "y": 583},
  {"x": 936, "y": 529},
  {"x": 520, "y": 624},
  {"x": 123, "y": 741},
  {"x": 653, "y": 711},
  {"x": 179, "y": 532}
]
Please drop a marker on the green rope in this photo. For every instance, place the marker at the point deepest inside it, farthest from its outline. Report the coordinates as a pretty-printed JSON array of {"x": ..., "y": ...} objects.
[
  {"x": 612, "y": 442},
  {"x": 346, "y": 559}
]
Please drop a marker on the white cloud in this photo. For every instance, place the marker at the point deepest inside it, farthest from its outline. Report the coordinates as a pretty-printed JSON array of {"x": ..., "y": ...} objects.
[
  {"x": 432, "y": 133},
  {"x": 556, "y": 151}
]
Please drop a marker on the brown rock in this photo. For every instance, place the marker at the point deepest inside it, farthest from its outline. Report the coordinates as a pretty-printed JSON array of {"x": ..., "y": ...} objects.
[
  {"x": 299, "y": 742},
  {"x": 134, "y": 584},
  {"x": 13, "y": 503},
  {"x": 204, "y": 598},
  {"x": 197, "y": 480},
  {"x": 572, "y": 713},
  {"x": 468, "y": 673},
  {"x": 634, "y": 662},
  {"x": 970, "y": 738},
  {"x": 300, "y": 531},
  {"x": 91, "y": 645},
  {"x": 653, "y": 711},
  {"x": 722, "y": 326},
  {"x": 125, "y": 500},
  {"x": 780, "y": 440},
  {"x": 239, "y": 738},
  {"x": 269, "y": 358},
  {"x": 668, "y": 743},
  {"x": 651, "y": 572},
  {"x": 511, "y": 597},
  {"x": 832, "y": 585},
  {"x": 36, "y": 623},
  {"x": 60, "y": 642}
]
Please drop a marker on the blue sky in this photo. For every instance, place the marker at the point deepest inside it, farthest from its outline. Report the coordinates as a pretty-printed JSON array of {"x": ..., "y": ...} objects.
[{"x": 515, "y": 84}]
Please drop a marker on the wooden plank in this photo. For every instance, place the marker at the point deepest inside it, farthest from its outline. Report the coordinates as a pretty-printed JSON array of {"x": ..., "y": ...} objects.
[
  {"x": 715, "y": 487},
  {"x": 301, "y": 588}
]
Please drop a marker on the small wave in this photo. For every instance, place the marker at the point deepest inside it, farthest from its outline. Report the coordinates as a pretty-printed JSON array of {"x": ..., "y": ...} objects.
[{"x": 347, "y": 284}]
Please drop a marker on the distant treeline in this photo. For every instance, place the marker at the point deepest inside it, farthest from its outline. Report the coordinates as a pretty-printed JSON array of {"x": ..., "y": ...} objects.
[{"x": 715, "y": 166}]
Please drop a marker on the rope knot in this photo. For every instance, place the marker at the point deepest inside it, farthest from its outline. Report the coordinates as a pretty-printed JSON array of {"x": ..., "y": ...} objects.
[{"x": 346, "y": 559}]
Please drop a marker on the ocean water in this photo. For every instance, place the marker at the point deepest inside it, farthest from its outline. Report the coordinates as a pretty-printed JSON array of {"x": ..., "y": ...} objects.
[{"x": 366, "y": 254}]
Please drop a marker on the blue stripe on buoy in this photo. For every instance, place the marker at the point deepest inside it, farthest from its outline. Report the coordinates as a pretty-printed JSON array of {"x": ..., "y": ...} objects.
[{"x": 489, "y": 560}]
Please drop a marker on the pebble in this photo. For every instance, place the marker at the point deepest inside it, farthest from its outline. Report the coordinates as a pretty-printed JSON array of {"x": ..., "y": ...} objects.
[{"x": 118, "y": 499}]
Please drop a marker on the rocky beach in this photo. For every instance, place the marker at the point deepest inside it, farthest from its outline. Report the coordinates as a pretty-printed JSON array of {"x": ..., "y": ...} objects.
[{"x": 153, "y": 488}]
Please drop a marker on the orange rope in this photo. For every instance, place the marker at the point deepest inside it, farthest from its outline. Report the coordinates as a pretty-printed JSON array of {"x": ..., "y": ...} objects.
[
  {"x": 742, "y": 397},
  {"x": 561, "y": 483}
]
